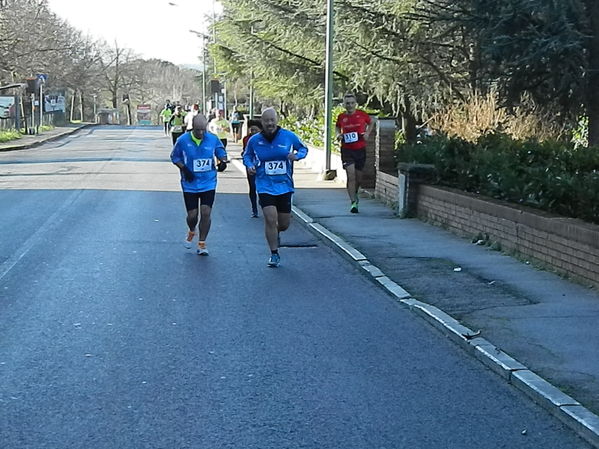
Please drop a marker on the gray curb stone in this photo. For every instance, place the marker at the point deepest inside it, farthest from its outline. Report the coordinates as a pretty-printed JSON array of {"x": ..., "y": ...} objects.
[
  {"x": 301, "y": 215},
  {"x": 392, "y": 287},
  {"x": 346, "y": 247},
  {"x": 374, "y": 271},
  {"x": 583, "y": 421},
  {"x": 540, "y": 390}
]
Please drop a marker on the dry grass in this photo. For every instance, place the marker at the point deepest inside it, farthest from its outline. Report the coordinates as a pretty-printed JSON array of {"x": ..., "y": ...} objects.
[{"x": 483, "y": 114}]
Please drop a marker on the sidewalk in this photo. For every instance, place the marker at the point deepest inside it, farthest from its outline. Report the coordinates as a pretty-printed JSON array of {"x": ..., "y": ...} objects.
[
  {"x": 520, "y": 321},
  {"x": 28, "y": 141}
]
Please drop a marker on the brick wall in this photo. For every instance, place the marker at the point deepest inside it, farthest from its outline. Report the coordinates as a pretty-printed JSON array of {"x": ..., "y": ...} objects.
[
  {"x": 567, "y": 245},
  {"x": 386, "y": 189}
]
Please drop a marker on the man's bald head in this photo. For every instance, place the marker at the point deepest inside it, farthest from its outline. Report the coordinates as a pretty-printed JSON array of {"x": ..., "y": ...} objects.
[
  {"x": 270, "y": 121},
  {"x": 199, "y": 122},
  {"x": 198, "y": 126}
]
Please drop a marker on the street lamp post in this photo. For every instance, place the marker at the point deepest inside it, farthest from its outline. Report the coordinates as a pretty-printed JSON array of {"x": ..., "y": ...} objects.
[
  {"x": 204, "y": 77},
  {"x": 251, "y": 94},
  {"x": 95, "y": 109},
  {"x": 328, "y": 103},
  {"x": 205, "y": 38}
]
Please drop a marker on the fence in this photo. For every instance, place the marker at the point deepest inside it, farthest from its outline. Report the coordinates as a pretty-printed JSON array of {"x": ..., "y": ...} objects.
[{"x": 48, "y": 119}]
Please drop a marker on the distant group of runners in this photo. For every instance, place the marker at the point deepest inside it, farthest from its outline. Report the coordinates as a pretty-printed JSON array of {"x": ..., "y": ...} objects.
[{"x": 268, "y": 155}]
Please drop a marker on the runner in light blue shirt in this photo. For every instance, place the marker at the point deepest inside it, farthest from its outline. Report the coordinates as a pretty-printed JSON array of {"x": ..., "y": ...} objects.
[
  {"x": 194, "y": 154},
  {"x": 270, "y": 155}
]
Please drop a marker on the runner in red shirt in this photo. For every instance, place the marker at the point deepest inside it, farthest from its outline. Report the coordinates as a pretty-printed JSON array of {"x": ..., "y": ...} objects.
[{"x": 353, "y": 128}]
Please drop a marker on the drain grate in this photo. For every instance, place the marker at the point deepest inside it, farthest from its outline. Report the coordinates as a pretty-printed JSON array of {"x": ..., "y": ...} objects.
[{"x": 297, "y": 245}]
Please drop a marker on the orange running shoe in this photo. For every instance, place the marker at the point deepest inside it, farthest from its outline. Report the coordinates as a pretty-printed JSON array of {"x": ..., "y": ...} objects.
[{"x": 188, "y": 242}]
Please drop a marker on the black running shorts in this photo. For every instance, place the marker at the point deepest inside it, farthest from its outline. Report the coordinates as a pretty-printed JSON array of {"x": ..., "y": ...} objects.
[
  {"x": 355, "y": 157},
  {"x": 191, "y": 199},
  {"x": 281, "y": 202}
]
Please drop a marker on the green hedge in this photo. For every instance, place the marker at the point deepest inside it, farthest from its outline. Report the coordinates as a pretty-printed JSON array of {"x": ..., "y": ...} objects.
[{"x": 552, "y": 176}]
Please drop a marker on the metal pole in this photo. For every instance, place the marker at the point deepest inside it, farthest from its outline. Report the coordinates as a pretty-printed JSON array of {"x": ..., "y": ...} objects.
[
  {"x": 32, "y": 114},
  {"x": 225, "y": 100},
  {"x": 41, "y": 106},
  {"x": 95, "y": 110},
  {"x": 204, "y": 109},
  {"x": 251, "y": 95},
  {"x": 328, "y": 102}
]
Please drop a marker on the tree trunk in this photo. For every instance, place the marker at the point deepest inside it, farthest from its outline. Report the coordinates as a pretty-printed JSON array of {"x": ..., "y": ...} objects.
[
  {"x": 592, "y": 86},
  {"x": 73, "y": 105},
  {"x": 408, "y": 121},
  {"x": 81, "y": 105}
]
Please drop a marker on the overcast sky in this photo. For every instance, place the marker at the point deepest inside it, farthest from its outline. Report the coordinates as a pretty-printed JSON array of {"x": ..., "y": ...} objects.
[{"x": 152, "y": 28}]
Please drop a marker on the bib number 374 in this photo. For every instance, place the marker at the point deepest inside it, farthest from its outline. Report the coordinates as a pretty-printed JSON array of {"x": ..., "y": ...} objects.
[
  {"x": 200, "y": 165},
  {"x": 275, "y": 167}
]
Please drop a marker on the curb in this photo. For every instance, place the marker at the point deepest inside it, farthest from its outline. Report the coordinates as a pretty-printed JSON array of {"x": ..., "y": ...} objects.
[
  {"x": 46, "y": 139},
  {"x": 569, "y": 411}
]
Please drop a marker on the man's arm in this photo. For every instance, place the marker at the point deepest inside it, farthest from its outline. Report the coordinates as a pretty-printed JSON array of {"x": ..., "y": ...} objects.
[
  {"x": 299, "y": 150},
  {"x": 249, "y": 157},
  {"x": 369, "y": 128},
  {"x": 338, "y": 132}
]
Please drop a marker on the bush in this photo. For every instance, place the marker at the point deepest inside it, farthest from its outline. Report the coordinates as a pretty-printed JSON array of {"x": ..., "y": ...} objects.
[
  {"x": 550, "y": 175},
  {"x": 9, "y": 135}
]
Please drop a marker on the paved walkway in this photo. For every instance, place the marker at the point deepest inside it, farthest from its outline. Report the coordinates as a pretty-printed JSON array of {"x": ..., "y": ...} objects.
[
  {"x": 29, "y": 141},
  {"x": 532, "y": 327},
  {"x": 538, "y": 330}
]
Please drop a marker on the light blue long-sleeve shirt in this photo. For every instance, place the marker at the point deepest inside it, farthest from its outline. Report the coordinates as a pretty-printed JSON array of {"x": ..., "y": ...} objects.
[
  {"x": 198, "y": 158},
  {"x": 274, "y": 171}
]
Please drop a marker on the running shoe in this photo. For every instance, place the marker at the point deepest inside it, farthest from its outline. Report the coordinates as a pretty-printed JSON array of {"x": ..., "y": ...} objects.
[
  {"x": 255, "y": 214},
  {"x": 202, "y": 251},
  {"x": 188, "y": 242},
  {"x": 274, "y": 260},
  {"x": 354, "y": 207}
]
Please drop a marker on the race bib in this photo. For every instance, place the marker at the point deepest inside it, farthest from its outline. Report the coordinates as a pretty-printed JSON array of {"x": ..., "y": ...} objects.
[
  {"x": 201, "y": 165},
  {"x": 177, "y": 129},
  {"x": 275, "y": 167},
  {"x": 350, "y": 137}
]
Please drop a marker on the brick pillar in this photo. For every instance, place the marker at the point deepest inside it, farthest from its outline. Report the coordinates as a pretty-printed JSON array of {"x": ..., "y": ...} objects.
[
  {"x": 369, "y": 177},
  {"x": 384, "y": 146},
  {"x": 410, "y": 175}
]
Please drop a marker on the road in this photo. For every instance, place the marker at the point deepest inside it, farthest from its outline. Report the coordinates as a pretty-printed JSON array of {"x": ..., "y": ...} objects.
[{"x": 112, "y": 335}]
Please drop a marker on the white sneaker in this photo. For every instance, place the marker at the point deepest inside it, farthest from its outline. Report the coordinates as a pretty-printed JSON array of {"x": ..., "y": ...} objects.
[{"x": 202, "y": 251}]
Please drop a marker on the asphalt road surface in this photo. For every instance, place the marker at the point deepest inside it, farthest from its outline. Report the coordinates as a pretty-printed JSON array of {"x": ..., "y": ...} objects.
[{"x": 112, "y": 335}]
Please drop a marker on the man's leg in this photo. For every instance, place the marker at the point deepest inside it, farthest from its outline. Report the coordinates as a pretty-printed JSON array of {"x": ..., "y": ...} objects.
[
  {"x": 283, "y": 221},
  {"x": 192, "y": 221},
  {"x": 352, "y": 185},
  {"x": 205, "y": 221},
  {"x": 359, "y": 176},
  {"x": 271, "y": 227},
  {"x": 252, "y": 194}
]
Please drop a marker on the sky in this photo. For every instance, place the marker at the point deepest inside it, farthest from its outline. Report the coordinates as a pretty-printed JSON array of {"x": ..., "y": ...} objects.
[{"x": 151, "y": 28}]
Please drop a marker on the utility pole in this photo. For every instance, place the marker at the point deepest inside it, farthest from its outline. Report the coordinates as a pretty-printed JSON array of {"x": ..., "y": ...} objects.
[{"x": 328, "y": 102}]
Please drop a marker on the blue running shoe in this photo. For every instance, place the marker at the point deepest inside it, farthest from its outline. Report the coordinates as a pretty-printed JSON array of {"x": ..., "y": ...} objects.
[{"x": 274, "y": 260}]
